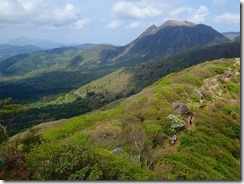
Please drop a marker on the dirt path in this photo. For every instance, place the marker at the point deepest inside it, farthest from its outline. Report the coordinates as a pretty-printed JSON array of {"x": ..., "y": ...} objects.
[
  {"x": 188, "y": 126},
  {"x": 170, "y": 148}
]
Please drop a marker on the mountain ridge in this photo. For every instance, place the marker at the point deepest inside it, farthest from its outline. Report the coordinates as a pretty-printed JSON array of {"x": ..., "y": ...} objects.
[
  {"x": 154, "y": 43},
  {"x": 121, "y": 83},
  {"x": 209, "y": 149}
]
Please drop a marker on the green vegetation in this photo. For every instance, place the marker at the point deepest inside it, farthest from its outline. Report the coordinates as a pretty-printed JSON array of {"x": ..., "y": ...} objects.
[
  {"x": 65, "y": 91},
  {"x": 8, "y": 114},
  {"x": 131, "y": 140}
]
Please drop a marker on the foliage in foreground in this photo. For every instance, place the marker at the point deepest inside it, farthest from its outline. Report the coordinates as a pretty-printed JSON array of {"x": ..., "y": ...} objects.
[{"x": 83, "y": 147}]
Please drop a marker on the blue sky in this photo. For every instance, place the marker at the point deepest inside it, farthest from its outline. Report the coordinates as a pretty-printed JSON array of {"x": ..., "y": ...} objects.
[{"x": 108, "y": 21}]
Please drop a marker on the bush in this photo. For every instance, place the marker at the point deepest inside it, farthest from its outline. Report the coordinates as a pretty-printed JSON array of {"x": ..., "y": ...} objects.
[
  {"x": 233, "y": 87},
  {"x": 228, "y": 109},
  {"x": 177, "y": 122},
  {"x": 234, "y": 115},
  {"x": 187, "y": 141},
  {"x": 219, "y": 70},
  {"x": 195, "y": 98},
  {"x": 15, "y": 168}
]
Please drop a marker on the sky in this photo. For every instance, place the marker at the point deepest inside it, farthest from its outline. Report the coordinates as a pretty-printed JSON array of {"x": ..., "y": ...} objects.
[{"x": 115, "y": 22}]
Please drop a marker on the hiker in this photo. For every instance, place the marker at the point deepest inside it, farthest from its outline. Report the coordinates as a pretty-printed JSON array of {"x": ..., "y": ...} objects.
[
  {"x": 190, "y": 118},
  {"x": 173, "y": 139}
]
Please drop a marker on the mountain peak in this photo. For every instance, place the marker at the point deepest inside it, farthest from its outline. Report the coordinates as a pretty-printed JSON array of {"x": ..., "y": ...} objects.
[
  {"x": 177, "y": 23},
  {"x": 151, "y": 30}
]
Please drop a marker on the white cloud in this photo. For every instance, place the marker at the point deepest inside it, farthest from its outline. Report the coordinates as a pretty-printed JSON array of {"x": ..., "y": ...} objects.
[
  {"x": 190, "y": 14},
  {"x": 199, "y": 15},
  {"x": 181, "y": 10},
  {"x": 80, "y": 24},
  {"x": 135, "y": 24},
  {"x": 220, "y": 3},
  {"x": 58, "y": 17},
  {"x": 114, "y": 24},
  {"x": 38, "y": 13},
  {"x": 29, "y": 5},
  {"x": 68, "y": 12},
  {"x": 227, "y": 18},
  {"x": 134, "y": 10}
]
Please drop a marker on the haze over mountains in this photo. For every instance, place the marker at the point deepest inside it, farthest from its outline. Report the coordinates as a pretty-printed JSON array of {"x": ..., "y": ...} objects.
[
  {"x": 172, "y": 37},
  {"x": 42, "y": 43},
  {"x": 9, "y": 50},
  {"x": 231, "y": 35}
]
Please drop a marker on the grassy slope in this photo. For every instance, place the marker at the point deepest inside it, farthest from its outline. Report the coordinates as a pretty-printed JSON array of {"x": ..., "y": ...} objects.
[
  {"x": 121, "y": 83},
  {"x": 29, "y": 65},
  {"x": 207, "y": 150},
  {"x": 132, "y": 79}
]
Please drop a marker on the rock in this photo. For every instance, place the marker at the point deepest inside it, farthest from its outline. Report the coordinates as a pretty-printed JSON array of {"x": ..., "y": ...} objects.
[
  {"x": 117, "y": 151},
  {"x": 180, "y": 108},
  {"x": 199, "y": 93},
  {"x": 228, "y": 73}
]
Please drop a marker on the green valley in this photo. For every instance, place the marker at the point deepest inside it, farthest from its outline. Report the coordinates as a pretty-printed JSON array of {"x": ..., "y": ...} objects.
[
  {"x": 119, "y": 84},
  {"x": 50, "y": 73},
  {"x": 130, "y": 140}
]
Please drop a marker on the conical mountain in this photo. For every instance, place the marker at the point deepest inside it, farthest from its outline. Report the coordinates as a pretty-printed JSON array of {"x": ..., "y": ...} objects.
[{"x": 169, "y": 38}]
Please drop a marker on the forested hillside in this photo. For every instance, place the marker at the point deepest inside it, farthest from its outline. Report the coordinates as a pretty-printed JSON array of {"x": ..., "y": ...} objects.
[
  {"x": 119, "y": 84},
  {"x": 131, "y": 140},
  {"x": 48, "y": 74}
]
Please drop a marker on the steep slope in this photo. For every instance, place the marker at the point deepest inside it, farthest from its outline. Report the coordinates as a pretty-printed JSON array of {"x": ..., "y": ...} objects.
[
  {"x": 156, "y": 42},
  {"x": 41, "y": 72},
  {"x": 117, "y": 85},
  {"x": 97, "y": 57},
  {"x": 136, "y": 133},
  {"x": 169, "y": 38},
  {"x": 131, "y": 80}
]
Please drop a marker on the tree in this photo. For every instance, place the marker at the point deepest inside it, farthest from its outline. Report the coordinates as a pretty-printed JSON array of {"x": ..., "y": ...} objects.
[{"x": 9, "y": 112}]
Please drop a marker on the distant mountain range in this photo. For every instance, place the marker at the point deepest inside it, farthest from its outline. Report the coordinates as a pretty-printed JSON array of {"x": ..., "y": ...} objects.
[
  {"x": 9, "y": 50},
  {"x": 64, "y": 94},
  {"x": 76, "y": 67},
  {"x": 231, "y": 35},
  {"x": 155, "y": 43},
  {"x": 45, "y": 44}
]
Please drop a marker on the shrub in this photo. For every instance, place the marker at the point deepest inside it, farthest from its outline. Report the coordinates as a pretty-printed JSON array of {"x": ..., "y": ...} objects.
[
  {"x": 219, "y": 70},
  {"x": 233, "y": 87},
  {"x": 166, "y": 126},
  {"x": 187, "y": 141},
  {"x": 15, "y": 168},
  {"x": 228, "y": 109},
  {"x": 234, "y": 115},
  {"x": 177, "y": 122},
  {"x": 195, "y": 98}
]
